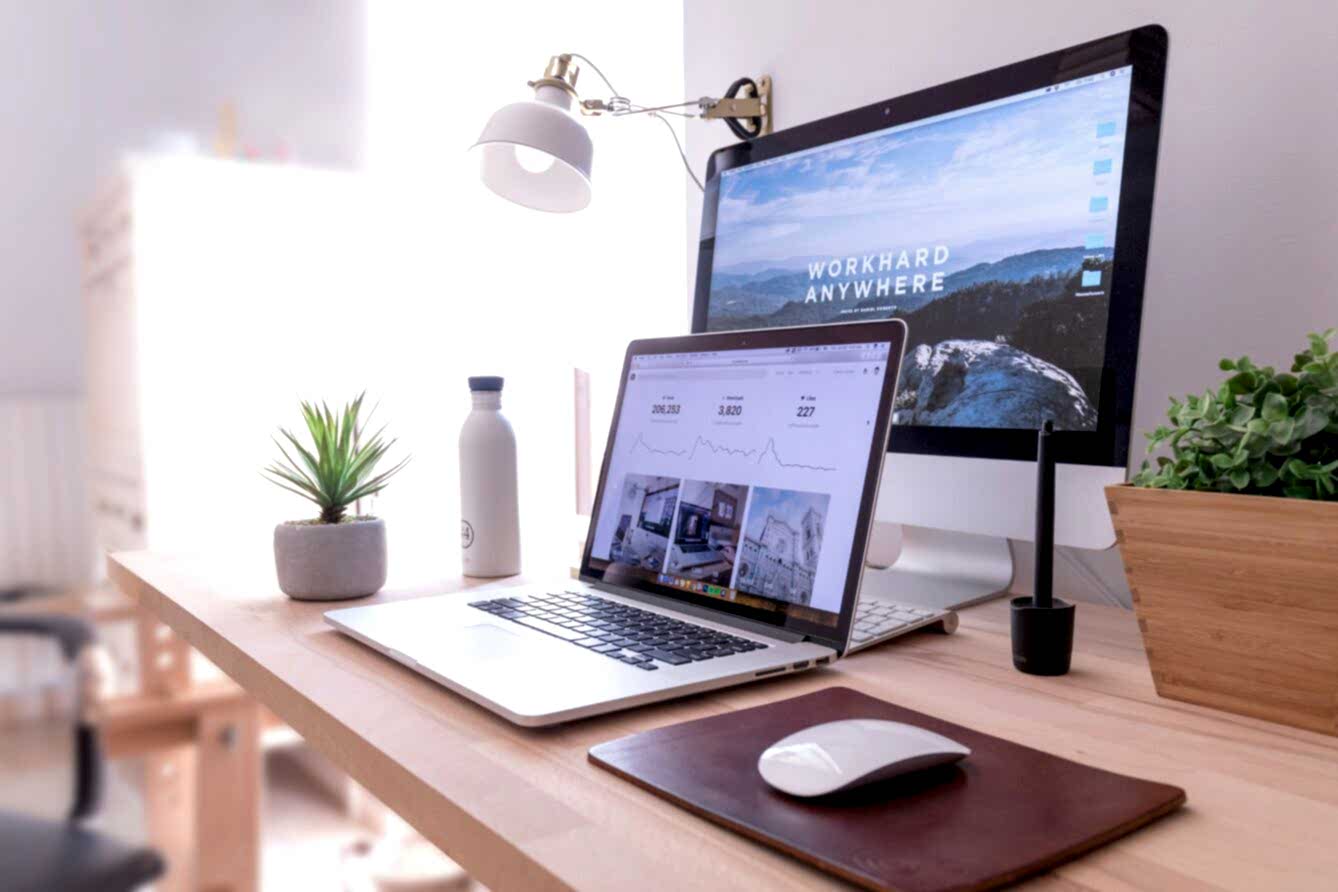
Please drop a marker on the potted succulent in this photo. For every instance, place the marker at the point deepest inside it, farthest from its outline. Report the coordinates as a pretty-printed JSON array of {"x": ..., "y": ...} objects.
[
  {"x": 338, "y": 554},
  {"x": 1230, "y": 542}
]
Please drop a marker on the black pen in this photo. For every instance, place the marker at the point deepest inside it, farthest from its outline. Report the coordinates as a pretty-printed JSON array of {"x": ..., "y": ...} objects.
[{"x": 1043, "y": 590}]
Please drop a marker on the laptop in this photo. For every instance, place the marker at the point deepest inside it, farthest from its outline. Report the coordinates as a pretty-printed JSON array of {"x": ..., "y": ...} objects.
[{"x": 776, "y": 439}]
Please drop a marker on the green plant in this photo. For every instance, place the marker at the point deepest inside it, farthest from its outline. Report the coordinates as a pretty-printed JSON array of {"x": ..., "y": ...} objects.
[
  {"x": 338, "y": 470},
  {"x": 1262, "y": 432}
]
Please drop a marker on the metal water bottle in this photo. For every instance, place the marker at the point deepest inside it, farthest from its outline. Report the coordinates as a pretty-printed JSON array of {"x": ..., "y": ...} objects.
[{"x": 489, "y": 502}]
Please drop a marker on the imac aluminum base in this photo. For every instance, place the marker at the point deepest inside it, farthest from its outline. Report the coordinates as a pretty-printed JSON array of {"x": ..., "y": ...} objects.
[
  {"x": 936, "y": 498},
  {"x": 943, "y": 569}
]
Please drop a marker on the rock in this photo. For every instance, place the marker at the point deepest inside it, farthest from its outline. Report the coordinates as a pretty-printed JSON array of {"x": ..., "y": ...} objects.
[{"x": 988, "y": 384}]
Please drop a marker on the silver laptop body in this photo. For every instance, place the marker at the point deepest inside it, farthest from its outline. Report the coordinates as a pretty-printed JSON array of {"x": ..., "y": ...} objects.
[{"x": 773, "y": 438}]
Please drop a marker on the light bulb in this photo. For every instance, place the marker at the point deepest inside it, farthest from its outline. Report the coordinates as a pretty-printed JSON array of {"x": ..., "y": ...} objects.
[{"x": 533, "y": 160}]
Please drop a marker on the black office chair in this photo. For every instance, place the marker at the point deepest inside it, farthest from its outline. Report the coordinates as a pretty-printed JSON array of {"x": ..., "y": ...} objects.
[{"x": 38, "y": 855}]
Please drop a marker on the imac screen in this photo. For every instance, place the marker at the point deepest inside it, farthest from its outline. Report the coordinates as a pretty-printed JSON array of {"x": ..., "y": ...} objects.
[{"x": 990, "y": 230}]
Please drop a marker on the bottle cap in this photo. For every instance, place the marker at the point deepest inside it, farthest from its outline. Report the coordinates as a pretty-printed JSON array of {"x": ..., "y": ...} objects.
[{"x": 485, "y": 382}]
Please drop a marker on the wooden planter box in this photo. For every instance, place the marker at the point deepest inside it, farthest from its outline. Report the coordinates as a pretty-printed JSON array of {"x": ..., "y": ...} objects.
[{"x": 1237, "y": 599}]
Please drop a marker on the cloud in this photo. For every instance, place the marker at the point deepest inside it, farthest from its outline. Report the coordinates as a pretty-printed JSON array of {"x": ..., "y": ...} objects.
[{"x": 982, "y": 177}]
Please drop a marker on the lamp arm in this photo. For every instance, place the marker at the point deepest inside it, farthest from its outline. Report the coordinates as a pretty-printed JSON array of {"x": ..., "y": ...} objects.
[
  {"x": 681, "y": 154},
  {"x": 732, "y": 105},
  {"x": 620, "y": 106},
  {"x": 595, "y": 68},
  {"x": 747, "y": 116},
  {"x": 659, "y": 114}
]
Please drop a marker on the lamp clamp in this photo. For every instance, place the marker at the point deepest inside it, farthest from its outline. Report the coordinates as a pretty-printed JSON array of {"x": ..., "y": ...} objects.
[
  {"x": 734, "y": 106},
  {"x": 614, "y": 105}
]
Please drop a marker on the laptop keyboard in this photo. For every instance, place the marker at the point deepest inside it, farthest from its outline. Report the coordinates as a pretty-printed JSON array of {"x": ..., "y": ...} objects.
[{"x": 628, "y": 634}]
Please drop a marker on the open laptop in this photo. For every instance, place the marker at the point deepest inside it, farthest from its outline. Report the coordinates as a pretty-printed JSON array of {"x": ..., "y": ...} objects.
[{"x": 776, "y": 438}]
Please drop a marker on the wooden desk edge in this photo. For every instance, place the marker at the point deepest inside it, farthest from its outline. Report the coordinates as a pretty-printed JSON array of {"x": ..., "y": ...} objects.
[
  {"x": 491, "y": 857},
  {"x": 1241, "y": 753}
]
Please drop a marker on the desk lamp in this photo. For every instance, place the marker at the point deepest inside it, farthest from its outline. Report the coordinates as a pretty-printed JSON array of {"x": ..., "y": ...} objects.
[{"x": 537, "y": 154}]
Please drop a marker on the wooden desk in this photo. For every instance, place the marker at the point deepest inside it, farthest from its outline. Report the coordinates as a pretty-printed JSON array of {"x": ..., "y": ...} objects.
[{"x": 524, "y": 810}]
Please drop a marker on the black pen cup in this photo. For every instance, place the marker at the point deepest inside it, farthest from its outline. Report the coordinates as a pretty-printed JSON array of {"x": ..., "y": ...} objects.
[{"x": 1042, "y": 636}]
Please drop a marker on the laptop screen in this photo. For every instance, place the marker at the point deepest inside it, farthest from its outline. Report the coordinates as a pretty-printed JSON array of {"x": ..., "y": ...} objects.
[{"x": 738, "y": 476}]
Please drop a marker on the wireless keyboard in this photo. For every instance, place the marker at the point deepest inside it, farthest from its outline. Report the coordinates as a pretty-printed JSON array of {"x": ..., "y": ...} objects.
[{"x": 877, "y": 620}]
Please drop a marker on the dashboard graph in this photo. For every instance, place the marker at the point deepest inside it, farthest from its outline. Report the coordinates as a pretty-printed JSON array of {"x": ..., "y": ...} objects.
[
  {"x": 743, "y": 471},
  {"x": 718, "y": 449}
]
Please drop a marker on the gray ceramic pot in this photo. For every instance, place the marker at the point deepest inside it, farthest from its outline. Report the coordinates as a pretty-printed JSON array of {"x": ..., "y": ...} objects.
[{"x": 330, "y": 561}]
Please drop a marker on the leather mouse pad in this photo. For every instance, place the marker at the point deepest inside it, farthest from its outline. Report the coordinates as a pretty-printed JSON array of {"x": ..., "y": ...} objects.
[{"x": 1004, "y": 812}]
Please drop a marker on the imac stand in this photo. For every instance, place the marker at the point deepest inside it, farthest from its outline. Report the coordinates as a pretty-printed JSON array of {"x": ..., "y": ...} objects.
[
  {"x": 942, "y": 569},
  {"x": 955, "y": 517}
]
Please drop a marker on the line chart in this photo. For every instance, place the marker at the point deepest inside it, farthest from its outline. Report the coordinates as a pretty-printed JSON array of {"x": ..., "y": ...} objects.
[{"x": 717, "y": 449}]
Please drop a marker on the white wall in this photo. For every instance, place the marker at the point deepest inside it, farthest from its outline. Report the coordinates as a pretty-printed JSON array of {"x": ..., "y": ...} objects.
[
  {"x": 81, "y": 83},
  {"x": 462, "y": 282},
  {"x": 484, "y": 286},
  {"x": 404, "y": 279},
  {"x": 1245, "y": 222}
]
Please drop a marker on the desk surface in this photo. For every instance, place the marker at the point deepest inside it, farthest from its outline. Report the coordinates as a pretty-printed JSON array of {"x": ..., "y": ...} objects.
[{"x": 523, "y": 809}]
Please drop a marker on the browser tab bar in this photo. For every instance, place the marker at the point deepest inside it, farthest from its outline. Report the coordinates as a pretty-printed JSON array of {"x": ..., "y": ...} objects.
[{"x": 775, "y": 356}]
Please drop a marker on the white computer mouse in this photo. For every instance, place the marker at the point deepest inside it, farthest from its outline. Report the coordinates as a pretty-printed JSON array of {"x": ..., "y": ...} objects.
[{"x": 836, "y": 756}]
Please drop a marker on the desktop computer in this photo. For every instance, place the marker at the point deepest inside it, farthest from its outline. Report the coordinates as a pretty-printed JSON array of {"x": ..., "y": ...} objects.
[{"x": 1005, "y": 217}]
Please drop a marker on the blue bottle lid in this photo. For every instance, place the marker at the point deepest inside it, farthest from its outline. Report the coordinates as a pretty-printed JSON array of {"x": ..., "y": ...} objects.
[{"x": 485, "y": 382}]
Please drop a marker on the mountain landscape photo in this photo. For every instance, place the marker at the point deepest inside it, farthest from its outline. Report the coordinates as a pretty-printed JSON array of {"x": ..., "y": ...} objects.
[{"x": 1033, "y": 303}]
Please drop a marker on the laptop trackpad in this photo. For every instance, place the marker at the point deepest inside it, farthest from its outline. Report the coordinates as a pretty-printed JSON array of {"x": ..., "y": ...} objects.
[{"x": 485, "y": 641}]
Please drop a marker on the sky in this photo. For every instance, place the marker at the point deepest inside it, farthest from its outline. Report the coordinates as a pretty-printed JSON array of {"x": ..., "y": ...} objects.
[{"x": 987, "y": 184}]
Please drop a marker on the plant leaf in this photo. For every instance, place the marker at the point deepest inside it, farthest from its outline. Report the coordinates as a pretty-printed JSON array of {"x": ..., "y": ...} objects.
[
  {"x": 1258, "y": 431},
  {"x": 334, "y": 471},
  {"x": 1264, "y": 475},
  {"x": 1274, "y": 408}
]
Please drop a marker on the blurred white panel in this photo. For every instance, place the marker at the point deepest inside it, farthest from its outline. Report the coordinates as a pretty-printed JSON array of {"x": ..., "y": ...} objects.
[
  {"x": 255, "y": 286},
  {"x": 45, "y": 537},
  {"x": 258, "y": 286}
]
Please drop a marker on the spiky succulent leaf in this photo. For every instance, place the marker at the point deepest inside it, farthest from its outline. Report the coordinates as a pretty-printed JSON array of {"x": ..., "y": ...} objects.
[{"x": 338, "y": 468}]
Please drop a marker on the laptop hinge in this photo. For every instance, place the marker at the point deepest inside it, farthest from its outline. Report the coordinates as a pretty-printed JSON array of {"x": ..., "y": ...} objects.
[{"x": 714, "y": 616}]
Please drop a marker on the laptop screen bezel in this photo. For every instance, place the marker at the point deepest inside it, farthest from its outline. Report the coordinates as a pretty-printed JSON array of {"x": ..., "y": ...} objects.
[{"x": 890, "y": 331}]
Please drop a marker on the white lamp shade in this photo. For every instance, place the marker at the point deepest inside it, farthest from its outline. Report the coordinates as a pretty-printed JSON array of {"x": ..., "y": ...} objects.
[{"x": 541, "y": 129}]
